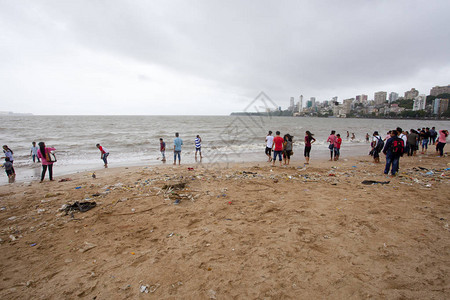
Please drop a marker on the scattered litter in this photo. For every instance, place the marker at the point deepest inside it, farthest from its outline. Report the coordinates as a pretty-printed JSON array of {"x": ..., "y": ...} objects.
[
  {"x": 13, "y": 238},
  {"x": 170, "y": 234},
  {"x": 80, "y": 206},
  {"x": 370, "y": 182},
  {"x": 190, "y": 169},
  {"x": 65, "y": 179},
  {"x": 32, "y": 245},
  {"x": 12, "y": 218},
  {"x": 78, "y": 187},
  {"x": 247, "y": 172},
  {"x": 177, "y": 202}
]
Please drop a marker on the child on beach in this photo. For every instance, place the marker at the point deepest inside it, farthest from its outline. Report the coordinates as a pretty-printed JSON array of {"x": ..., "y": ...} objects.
[
  {"x": 33, "y": 152},
  {"x": 309, "y": 140},
  {"x": 9, "y": 169},
  {"x": 198, "y": 147},
  {"x": 337, "y": 147},
  {"x": 162, "y": 149},
  {"x": 103, "y": 154}
]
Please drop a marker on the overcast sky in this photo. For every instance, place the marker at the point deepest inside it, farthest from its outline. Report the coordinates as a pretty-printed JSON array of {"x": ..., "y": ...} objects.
[{"x": 213, "y": 57}]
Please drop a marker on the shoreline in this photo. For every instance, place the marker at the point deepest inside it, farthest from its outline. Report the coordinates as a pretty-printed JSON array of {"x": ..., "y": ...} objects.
[{"x": 239, "y": 230}]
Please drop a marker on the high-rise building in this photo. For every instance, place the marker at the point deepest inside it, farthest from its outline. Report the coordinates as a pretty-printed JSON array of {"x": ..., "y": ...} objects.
[
  {"x": 380, "y": 98},
  {"x": 440, "y": 106},
  {"x": 413, "y": 93},
  {"x": 347, "y": 105},
  {"x": 291, "y": 104},
  {"x": 313, "y": 101},
  {"x": 393, "y": 96},
  {"x": 419, "y": 102},
  {"x": 334, "y": 99},
  {"x": 437, "y": 90}
]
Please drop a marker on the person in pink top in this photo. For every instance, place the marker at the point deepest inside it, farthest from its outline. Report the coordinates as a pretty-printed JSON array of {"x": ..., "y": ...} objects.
[
  {"x": 337, "y": 147},
  {"x": 332, "y": 140},
  {"x": 43, "y": 155},
  {"x": 443, "y": 134}
]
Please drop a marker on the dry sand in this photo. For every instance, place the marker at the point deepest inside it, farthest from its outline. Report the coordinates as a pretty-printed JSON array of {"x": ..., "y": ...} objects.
[{"x": 281, "y": 233}]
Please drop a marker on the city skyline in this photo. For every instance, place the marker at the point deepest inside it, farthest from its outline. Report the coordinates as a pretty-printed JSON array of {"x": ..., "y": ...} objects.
[{"x": 213, "y": 58}]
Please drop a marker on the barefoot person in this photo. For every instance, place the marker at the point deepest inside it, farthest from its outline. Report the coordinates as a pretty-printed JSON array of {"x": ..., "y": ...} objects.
[
  {"x": 337, "y": 147},
  {"x": 177, "y": 142},
  {"x": 103, "y": 154},
  {"x": 198, "y": 147},
  {"x": 309, "y": 140},
  {"x": 162, "y": 149},
  {"x": 33, "y": 152},
  {"x": 277, "y": 148},
  {"x": 43, "y": 154},
  {"x": 332, "y": 140},
  {"x": 9, "y": 169},
  {"x": 269, "y": 145}
]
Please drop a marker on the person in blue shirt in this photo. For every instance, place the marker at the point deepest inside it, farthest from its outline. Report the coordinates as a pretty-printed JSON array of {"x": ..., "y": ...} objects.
[{"x": 177, "y": 142}]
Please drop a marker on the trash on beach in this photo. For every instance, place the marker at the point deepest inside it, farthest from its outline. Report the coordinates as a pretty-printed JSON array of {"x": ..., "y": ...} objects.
[
  {"x": 190, "y": 169},
  {"x": 248, "y": 172},
  {"x": 80, "y": 206},
  {"x": 78, "y": 187},
  {"x": 177, "y": 202},
  {"x": 32, "y": 245},
  {"x": 65, "y": 179},
  {"x": 370, "y": 182}
]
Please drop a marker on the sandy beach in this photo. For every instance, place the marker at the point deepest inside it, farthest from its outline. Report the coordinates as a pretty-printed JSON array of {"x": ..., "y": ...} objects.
[{"x": 240, "y": 231}]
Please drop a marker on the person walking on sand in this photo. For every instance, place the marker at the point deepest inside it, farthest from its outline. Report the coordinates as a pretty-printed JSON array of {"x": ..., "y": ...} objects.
[
  {"x": 367, "y": 137},
  {"x": 337, "y": 147},
  {"x": 277, "y": 148},
  {"x": 269, "y": 145},
  {"x": 198, "y": 147},
  {"x": 43, "y": 154},
  {"x": 104, "y": 153},
  {"x": 332, "y": 140},
  {"x": 433, "y": 135},
  {"x": 309, "y": 140},
  {"x": 393, "y": 149},
  {"x": 162, "y": 149},
  {"x": 442, "y": 140},
  {"x": 33, "y": 152},
  {"x": 177, "y": 142}
]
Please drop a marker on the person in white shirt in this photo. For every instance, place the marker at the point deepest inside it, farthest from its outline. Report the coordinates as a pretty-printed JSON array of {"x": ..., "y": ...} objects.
[
  {"x": 33, "y": 152},
  {"x": 402, "y": 136},
  {"x": 269, "y": 144}
]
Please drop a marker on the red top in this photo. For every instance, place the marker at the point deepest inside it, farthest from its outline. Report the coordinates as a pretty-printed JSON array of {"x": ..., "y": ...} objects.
[
  {"x": 278, "y": 143},
  {"x": 338, "y": 143}
]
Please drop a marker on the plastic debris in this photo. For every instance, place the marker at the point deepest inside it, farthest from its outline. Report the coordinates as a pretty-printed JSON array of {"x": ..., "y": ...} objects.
[{"x": 87, "y": 246}]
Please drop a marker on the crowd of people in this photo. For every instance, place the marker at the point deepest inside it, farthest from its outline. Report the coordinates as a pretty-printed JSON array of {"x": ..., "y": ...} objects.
[{"x": 396, "y": 143}]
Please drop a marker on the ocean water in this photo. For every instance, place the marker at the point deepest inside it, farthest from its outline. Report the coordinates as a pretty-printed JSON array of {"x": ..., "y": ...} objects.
[{"x": 134, "y": 140}]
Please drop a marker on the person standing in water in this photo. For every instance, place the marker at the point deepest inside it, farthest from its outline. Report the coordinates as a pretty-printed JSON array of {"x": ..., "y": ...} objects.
[
  {"x": 33, "y": 152},
  {"x": 332, "y": 140},
  {"x": 162, "y": 149},
  {"x": 103, "y": 154},
  {"x": 198, "y": 147},
  {"x": 309, "y": 140}
]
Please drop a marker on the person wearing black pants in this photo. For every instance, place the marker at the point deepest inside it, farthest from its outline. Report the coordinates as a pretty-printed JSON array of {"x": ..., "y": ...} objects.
[{"x": 43, "y": 154}]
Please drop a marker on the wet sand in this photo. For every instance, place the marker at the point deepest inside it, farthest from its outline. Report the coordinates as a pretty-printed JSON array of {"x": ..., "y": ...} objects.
[{"x": 243, "y": 231}]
